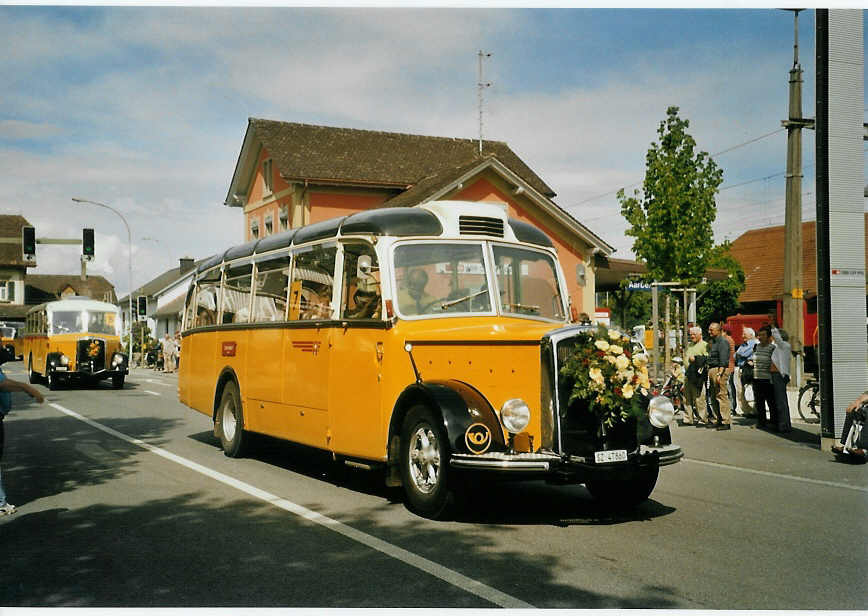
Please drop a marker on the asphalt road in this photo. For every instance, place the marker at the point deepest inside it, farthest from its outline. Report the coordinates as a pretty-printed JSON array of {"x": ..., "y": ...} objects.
[{"x": 125, "y": 499}]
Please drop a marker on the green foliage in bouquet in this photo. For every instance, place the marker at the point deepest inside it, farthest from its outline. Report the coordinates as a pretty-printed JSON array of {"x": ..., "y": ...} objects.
[{"x": 606, "y": 375}]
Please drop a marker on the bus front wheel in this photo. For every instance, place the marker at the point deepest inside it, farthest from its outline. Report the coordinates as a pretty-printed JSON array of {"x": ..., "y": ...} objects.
[
  {"x": 229, "y": 422},
  {"x": 425, "y": 464}
]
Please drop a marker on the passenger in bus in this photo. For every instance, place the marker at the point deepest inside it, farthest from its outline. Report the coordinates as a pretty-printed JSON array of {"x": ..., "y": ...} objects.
[
  {"x": 364, "y": 299},
  {"x": 205, "y": 317},
  {"x": 412, "y": 298},
  {"x": 317, "y": 306}
]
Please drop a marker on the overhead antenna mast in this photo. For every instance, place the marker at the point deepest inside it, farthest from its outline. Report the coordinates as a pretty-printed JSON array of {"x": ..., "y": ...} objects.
[{"x": 480, "y": 86}]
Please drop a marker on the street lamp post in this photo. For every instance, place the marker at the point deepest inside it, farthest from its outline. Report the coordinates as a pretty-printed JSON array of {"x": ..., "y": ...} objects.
[{"x": 130, "y": 265}]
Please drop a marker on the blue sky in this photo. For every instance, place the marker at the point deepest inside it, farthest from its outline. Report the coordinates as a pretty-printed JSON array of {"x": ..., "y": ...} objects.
[{"x": 145, "y": 108}]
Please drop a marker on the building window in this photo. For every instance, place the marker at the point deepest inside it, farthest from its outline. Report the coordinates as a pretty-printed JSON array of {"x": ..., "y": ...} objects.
[
  {"x": 267, "y": 185},
  {"x": 269, "y": 225},
  {"x": 283, "y": 216},
  {"x": 7, "y": 290},
  {"x": 254, "y": 228}
]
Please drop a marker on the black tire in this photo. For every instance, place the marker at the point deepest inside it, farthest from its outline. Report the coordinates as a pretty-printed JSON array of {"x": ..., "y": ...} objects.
[
  {"x": 118, "y": 381},
  {"x": 229, "y": 422},
  {"x": 32, "y": 376},
  {"x": 51, "y": 379},
  {"x": 424, "y": 462},
  {"x": 624, "y": 493},
  {"x": 809, "y": 402}
]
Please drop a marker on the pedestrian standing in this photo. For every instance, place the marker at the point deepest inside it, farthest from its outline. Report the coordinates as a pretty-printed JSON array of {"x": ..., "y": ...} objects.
[
  {"x": 780, "y": 372},
  {"x": 763, "y": 393},
  {"x": 730, "y": 380},
  {"x": 744, "y": 370},
  {"x": 167, "y": 345},
  {"x": 7, "y": 386},
  {"x": 718, "y": 373},
  {"x": 694, "y": 396},
  {"x": 177, "y": 350}
]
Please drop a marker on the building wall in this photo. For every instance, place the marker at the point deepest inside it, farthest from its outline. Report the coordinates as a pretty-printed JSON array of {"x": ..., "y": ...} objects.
[{"x": 325, "y": 205}]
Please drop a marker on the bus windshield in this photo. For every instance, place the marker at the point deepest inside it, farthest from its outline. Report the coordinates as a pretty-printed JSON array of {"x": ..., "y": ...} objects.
[
  {"x": 527, "y": 283},
  {"x": 437, "y": 278},
  {"x": 81, "y": 321},
  {"x": 7, "y": 332}
]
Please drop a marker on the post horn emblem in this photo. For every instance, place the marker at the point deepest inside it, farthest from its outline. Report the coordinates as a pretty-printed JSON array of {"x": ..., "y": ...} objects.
[{"x": 477, "y": 437}]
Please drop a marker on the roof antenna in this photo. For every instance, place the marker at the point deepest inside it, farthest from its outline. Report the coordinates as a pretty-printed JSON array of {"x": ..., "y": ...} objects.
[{"x": 480, "y": 86}]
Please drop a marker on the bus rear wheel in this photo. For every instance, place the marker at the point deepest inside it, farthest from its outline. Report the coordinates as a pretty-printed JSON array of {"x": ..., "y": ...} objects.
[
  {"x": 424, "y": 465},
  {"x": 229, "y": 422},
  {"x": 32, "y": 376}
]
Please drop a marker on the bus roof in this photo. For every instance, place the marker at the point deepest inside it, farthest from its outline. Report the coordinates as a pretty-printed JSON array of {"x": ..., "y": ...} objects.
[
  {"x": 75, "y": 303},
  {"x": 423, "y": 220}
]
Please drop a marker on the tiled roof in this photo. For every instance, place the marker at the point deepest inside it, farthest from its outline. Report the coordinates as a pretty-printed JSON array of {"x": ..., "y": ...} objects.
[
  {"x": 50, "y": 286},
  {"x": 761, "y": 255},
  {"x": 10, "y": 227},
  {"x": 309, "y": 152}
]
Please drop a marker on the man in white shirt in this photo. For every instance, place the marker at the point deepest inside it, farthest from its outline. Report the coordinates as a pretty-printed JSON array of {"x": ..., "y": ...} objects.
[{"x": 780, "y": 370}]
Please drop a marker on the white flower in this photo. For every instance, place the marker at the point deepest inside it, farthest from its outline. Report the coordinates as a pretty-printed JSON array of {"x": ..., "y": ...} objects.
[
  {"x": 596, "y": 376},
  {"x": 621, "y": 362},
  {"x": 602, "y": 345},
  {"x": 614, "y": 349},
  {"x": 627, "y": 392},
  {"x": 614, "y": 335}
]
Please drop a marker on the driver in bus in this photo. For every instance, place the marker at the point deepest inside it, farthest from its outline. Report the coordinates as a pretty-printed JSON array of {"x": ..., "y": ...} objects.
[{"x": 412, "y": 298}]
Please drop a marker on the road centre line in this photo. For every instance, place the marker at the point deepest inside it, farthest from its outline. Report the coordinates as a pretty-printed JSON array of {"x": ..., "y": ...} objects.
[
  {"x": 833, "y": 484},
  {"x": 153, "y": 393},
  {"x": 155, "y": 382},
  {"x": 458, "y": 580}
]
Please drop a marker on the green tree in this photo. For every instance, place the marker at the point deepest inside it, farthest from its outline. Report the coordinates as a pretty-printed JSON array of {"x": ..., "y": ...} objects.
[
  {"x": 671, "y": 217},
  {"x": 629, "y": 308},
  {"x": 719, "y": 299},
  {"x": 140, "y": 331}
]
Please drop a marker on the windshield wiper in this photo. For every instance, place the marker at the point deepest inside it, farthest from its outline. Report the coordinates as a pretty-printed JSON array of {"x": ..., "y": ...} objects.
[
  {"x": 451, "y": 303},
  {"x": 524, "y": 307}
]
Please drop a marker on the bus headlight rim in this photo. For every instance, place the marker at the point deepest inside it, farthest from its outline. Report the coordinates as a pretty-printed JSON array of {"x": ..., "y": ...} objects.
[
  {"x": 515, "y": 415},
  {"x": 661, "y": 412}
]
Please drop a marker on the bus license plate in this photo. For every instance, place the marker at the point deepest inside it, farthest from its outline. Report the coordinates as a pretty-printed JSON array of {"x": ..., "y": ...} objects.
[{"x": 612, "y": 455}]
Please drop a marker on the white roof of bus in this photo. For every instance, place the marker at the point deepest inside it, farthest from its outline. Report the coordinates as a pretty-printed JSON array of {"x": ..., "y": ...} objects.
[{"x": 77, "y": 303}]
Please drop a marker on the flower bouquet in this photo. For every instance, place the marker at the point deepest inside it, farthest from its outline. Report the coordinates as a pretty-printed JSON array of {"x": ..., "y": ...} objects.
[{"x": 608, "y": 376}]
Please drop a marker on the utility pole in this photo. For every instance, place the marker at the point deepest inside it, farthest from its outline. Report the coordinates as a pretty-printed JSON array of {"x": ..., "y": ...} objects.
[
  {"x": 793, "y": 295},
  {"x": 480, "y": 86}
]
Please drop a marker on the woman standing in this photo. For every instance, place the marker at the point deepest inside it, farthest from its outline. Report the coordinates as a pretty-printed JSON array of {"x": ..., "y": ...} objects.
[{"x": 744, "y": 370}]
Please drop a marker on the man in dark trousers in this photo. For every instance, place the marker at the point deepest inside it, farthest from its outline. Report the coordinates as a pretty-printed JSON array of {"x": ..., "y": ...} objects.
[
  {"x": 7, "y": 386},
  {"x": 718, "y": 375}
]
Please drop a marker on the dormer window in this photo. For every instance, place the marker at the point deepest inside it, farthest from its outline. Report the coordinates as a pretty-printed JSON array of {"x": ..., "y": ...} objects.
[
  {"x": 283, "y": 216},
  {"x": 267, "y": 180},
  {"x": 254, "y": 228},
  {"x": 269, "y": 225}
]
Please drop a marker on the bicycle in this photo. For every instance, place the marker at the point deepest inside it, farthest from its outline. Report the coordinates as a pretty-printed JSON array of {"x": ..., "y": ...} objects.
[{"x": 809, "y": 401}]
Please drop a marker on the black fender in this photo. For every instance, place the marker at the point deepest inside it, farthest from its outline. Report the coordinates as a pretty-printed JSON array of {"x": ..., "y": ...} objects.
[
  {"x": 52, "y": 359},
  {"x": 459, "y": 405}
]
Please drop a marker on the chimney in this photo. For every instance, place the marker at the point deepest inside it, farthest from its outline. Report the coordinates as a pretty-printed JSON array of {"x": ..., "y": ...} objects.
[{"x": 186, "y": 265}]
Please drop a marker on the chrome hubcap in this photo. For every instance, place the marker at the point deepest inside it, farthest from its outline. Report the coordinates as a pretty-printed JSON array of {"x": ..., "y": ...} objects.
[
  {"x": 227, "y": 422},
  {"x": 424, "y": 459}
]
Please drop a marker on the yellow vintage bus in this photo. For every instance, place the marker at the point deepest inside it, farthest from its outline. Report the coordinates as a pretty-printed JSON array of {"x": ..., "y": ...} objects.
[
  {"x": 10, "y": 341},
  {"x": 423, "y": 341},
  {"x": 74, "y": 339}
]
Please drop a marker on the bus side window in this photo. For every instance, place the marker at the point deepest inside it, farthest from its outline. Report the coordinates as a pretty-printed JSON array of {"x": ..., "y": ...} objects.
[
  {"x": 236, "y": 293},
  {"x": 272, "y": 279},
  {"x": 312, "y": 283},
  {"x": 206, "y": 298},
  {"x": 361, "y": 296}
]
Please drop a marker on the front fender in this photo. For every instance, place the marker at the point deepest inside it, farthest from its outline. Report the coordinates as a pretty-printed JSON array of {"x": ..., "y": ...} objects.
[{"x": 459, "y": 405}]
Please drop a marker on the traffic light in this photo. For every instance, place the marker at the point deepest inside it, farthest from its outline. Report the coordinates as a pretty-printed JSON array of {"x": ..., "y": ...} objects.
[
  {"x": 142, "y": 310},
  {"x": 28, "y": 242},
  {"x": 87, "y": 242}
]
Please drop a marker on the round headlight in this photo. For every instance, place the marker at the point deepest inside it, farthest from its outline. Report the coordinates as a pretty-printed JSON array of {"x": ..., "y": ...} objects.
[
  {"x": 515, "y": 415},
  {"x": 660, "y": 411},
  {"x": 64, "y": 360},
  {"x": 117, "y": 360}
]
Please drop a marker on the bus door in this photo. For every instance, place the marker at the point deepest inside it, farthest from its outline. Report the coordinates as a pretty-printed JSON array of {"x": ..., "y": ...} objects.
[
  {"x": 306, "y": 350},
  {"x": 265, "y": 360},
  {"x": 356, "y": 357},
  {"x": 202, "y": 352}
]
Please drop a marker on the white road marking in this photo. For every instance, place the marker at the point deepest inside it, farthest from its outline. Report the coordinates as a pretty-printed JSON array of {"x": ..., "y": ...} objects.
[
  {"x": 458, "y": 580},
  {"x": 833, "y": 484},
  {"x": 153, "y": 393},
  {"x": 155, "y": 382}
]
